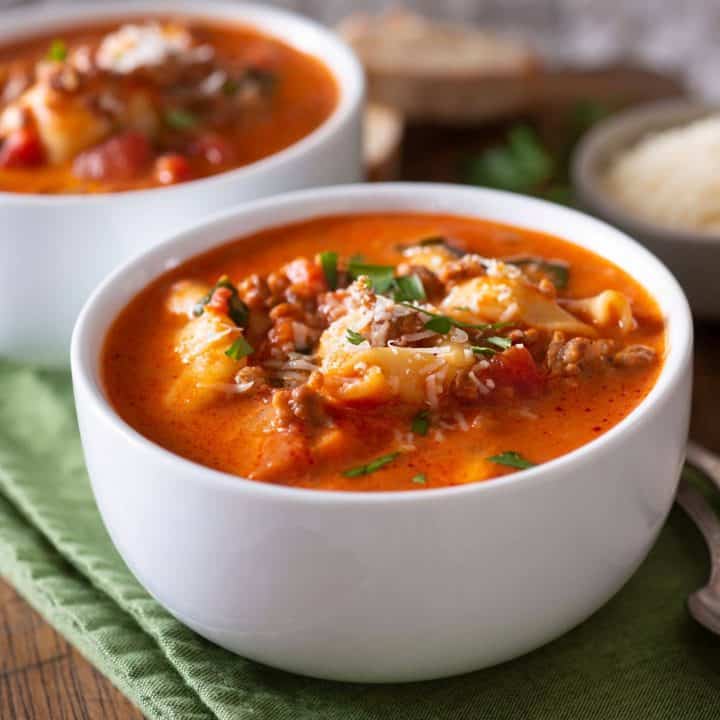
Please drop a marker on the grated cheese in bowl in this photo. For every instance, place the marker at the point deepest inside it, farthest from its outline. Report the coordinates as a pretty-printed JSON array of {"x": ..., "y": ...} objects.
[{"x": 672, "y": 178}]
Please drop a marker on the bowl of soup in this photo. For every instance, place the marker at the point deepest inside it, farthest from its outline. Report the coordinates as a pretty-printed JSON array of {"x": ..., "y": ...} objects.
[
  {"x": 385, "y": 433},
  {"x": 122, "y": 123}
]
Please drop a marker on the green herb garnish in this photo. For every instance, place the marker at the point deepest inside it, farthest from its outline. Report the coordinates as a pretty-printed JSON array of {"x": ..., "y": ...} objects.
[
  {"x": 442, "y": 323},
  {"x": 511, "y": 459},
  {"x": 557, "y": 270},
  {"x": 382, "y": 277},
  {"x": 521, "y": 165},
  {"x": 500, "y": 342},
  {"x": 526, "y": 164},
  {"x": 354, "y": 337},
  {"x": 421, "y": 423},
  {"x": 57, "y": 51},
  {"x": 485, "y": 351},
  {"x": 238, "y": 311},
  {"x": 409, "y": 287},
  {"x": 239, "y": 349},
  {"x": 329, "y": 263},
  {"x": 180, "y": 119},
  {"x": 230, "y": 87},
  {"x": 430, "y": 241},
  {"x": 372, "y": 466},
  {"x": 419, "y": 479}
]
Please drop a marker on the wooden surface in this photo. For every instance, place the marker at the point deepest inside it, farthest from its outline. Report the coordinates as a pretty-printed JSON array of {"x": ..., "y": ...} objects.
[{"x": 43, "y": 678}]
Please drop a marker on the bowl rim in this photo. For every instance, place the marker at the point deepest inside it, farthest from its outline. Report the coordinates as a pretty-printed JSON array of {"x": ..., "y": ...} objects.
[
  {"x": 632, "y": 124},
  {"x": 678, "y": 323},
  {"x": 348, "y": 75}
]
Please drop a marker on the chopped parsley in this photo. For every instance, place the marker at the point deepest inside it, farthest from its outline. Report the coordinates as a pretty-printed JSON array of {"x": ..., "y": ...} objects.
[
  {"x": 329, "y": 264},
  {"x": 239, "y": 349},
  {"x": 511, "y": 459},
  {"x": 354, "y": 337},
  {"x": 499, "y": 342},
  {"x": 230, "y": 87},
  {"x": 421, "y": 423},
  {"x": 372, "y": 466},
  {"x": 180, "y": 119},
  {"x": 382, "y": 277},
  {"x": 57, "y": 51},
  {"x": 522, "y": 165},
  {"x": 409, "y": 287},
  {"x": 433, "y": 240},
  {"x": 442, "y": 323},
  {"x": 238, "y": 311},
  {"x": 485, "y": 351},
  {"x": 419, "y": 479},
  {"x": 557, "y": 270}
]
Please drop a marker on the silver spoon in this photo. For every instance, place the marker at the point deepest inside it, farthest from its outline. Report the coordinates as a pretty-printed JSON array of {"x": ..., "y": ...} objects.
[{"x": 704, "y": 604}]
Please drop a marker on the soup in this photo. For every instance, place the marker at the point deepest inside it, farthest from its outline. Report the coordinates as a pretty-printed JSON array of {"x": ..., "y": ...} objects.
[
  {"x": 151, "y": 102},
  {"x": 384, "y": 352}
]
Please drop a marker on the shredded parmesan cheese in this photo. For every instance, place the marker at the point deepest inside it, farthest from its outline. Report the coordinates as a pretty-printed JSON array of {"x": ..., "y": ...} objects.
[
  {"x": 150, "y": 45},
  {"x": 671, "y": 178}
]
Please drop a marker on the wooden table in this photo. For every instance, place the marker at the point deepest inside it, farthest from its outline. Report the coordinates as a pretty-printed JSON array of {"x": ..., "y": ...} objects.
[{"x": 43, "y": 678}]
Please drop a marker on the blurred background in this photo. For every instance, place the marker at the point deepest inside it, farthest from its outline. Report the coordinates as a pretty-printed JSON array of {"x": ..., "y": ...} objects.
[{"x": 670, "y": 36}]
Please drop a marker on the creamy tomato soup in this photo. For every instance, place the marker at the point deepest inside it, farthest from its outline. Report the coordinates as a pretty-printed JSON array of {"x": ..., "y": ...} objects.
[
  {"x": 384, "y": 352},
  {"x": 150, "y": 102}
]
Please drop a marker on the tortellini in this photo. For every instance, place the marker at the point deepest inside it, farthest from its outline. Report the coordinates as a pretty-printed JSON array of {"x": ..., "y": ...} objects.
[
  {"x": 208, "y": 371},
  {"x": 510, "y": 299},
  {"x": 65, "y": 122},
  {"x": 364, "y": 374},
  {"x": 609, "y": 308}
]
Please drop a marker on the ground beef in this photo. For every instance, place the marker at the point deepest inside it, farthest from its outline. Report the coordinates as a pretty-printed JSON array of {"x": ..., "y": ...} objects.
[
  {"x": 468, "y": 266},
  {"x": 254, "y": 291},
  {"x": 578, "y": 355},
  {"x": 635, "y": 356},
  {"x": 302, "y": 404},
  {"x": 336, "y": 304},
  {"x": 401, "y": 330}
]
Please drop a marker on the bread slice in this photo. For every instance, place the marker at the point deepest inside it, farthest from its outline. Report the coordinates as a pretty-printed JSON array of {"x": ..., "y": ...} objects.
[
  {"x": 383, "y": 129},
  {"x": 440, "y": 72}
]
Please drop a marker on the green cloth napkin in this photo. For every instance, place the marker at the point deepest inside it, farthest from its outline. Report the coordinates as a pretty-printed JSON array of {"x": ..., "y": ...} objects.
[{"x": 639, "y": 657}]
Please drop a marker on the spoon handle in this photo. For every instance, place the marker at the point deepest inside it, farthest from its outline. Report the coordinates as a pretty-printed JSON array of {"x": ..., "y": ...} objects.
[
  {"x": 704, "y": 517},
  {"x": 707, "y": 461}
]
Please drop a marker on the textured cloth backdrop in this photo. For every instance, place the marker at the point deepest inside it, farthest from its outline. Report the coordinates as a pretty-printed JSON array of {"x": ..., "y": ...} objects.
[{"x": 666, "y": 34}]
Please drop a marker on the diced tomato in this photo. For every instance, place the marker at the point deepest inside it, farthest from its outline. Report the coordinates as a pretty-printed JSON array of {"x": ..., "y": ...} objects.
[
  {"x": 122, "y": 157},
  {"x": 220, "y": 300},
  {"x": 214, "y": 149},
  {"x": 172, "y": 168},
  {"x": 307, "y": 277},
  {"x": 515, "y": 366},
  {"x": 21, "y": 149}
]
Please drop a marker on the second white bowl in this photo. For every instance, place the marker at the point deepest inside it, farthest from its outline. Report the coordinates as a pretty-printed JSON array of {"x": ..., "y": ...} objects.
[{"x": 55, "y": 249}]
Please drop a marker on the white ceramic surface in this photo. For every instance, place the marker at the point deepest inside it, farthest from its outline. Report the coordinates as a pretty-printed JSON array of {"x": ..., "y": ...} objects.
[
  {"x": 693, "y": 257},
  {"x": 388, "y": 586},
  {"x": 55, "y": 249}
]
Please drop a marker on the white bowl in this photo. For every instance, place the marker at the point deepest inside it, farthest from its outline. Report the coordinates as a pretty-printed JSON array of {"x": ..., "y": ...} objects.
[
  {"x": 391, "y": 586},
  {"x": 692, "y": 256},
  {"x": 55, "y": 249}
]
